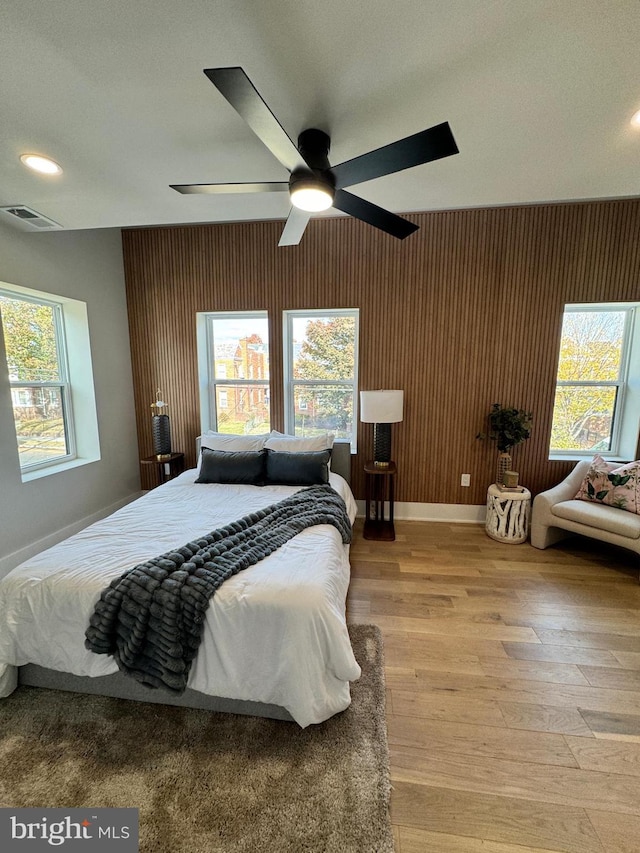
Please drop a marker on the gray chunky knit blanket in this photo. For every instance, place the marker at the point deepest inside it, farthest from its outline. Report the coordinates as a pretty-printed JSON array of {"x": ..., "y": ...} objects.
[{"x": 151, "y": 618}]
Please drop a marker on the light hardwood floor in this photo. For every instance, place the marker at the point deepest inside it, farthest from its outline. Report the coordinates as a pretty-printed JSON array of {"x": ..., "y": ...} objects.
[{"x": 513, "y": 690}]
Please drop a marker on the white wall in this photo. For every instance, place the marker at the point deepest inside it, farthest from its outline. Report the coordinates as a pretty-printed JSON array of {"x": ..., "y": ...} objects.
[{"x": 85, "y": 265}]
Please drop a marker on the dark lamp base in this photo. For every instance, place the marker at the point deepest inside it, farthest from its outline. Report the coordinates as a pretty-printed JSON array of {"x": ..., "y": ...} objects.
[
  {"x": 161, "y": 434},
  {"x": 381, "y": 445}
]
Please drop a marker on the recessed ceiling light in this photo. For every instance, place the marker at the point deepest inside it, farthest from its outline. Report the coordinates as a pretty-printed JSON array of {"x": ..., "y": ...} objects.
[
  {"x": 41, "y": 164},
  {"x": 635, "y": 119}
]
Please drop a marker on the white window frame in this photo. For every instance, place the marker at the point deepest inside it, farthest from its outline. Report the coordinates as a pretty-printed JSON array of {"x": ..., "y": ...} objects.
[
  {"x": 206, "y": 363},
  {"x": 63, "y": 382},
  {"x": 626, "y": 414},
  {"x": 290, "y": 383}
]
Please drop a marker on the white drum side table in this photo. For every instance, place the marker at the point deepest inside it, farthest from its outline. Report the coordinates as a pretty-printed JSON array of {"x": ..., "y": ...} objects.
[{"x": 508, "y": 515}]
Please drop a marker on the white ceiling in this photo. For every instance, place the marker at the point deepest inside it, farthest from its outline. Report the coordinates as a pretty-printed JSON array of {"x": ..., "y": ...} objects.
[{"x": 538, "y": 93}]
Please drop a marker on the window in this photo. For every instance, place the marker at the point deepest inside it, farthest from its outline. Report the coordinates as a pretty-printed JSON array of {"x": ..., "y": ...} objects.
[
  {"x": 596, "y": 407},
  {"x": 233, "y": 351},
  {"x": 321, "y": 375},
  {"x": 48, "y": 363},
  {"x": 39, "y": 378}
]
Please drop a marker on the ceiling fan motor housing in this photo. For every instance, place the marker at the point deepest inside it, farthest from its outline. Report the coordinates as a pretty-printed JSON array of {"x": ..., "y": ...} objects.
[
  {"x": 312, "y": 179},
  {"x": 313, "y": 146}
]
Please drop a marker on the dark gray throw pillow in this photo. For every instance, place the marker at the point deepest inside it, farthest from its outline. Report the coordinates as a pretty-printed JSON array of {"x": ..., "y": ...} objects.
[
  {"x": 310, "y": 468},
  {"x": 246, "y": 467}
]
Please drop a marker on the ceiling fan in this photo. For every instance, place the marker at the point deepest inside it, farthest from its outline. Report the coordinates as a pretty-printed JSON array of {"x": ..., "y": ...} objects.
[{"x": 314, "y": 184}]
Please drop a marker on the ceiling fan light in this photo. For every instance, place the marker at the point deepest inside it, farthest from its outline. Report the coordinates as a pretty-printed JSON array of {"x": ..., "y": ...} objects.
[
  {"x": 310, "y": 192},
  {"x": 311, "y": 198}
]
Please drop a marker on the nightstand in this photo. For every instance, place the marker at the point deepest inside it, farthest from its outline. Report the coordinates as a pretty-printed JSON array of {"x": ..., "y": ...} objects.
[
  {"x": 379, "y": 492},
  {"x": 167, "y": 467}
]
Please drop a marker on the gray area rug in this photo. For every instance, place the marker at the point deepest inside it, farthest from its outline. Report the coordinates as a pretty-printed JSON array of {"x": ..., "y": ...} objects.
[{"x": 210, "y": 782}]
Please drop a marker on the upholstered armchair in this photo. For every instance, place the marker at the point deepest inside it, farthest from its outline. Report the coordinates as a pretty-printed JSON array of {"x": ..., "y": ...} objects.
[{"x": 556, "y": 515}]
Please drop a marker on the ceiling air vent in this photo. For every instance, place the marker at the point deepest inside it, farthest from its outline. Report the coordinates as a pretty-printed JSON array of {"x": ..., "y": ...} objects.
[{"x": 28, "y": 219}]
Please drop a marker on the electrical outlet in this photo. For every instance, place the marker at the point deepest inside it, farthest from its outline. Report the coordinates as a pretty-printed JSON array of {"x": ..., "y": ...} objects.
[{"x": 465, "y": 480}]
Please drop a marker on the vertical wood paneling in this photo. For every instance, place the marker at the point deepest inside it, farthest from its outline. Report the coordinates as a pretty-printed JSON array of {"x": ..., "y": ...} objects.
[{"x": 464, "y": 313}]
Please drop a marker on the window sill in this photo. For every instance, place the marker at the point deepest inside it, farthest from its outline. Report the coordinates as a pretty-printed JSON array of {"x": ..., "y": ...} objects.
[
  {"x": 56, "y": 469},
  {"x": 555, "y": 457}
]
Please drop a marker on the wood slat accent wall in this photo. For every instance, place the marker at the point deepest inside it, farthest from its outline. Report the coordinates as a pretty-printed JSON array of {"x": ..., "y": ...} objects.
[{"x": 464, "y": 313}]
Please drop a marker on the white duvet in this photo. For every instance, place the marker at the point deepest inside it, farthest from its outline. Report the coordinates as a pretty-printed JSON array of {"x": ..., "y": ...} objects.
[{"x": 274, "y": 633}]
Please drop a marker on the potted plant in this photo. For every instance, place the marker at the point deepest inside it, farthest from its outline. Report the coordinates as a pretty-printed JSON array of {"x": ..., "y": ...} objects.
[{"x": 508, "y": 427}]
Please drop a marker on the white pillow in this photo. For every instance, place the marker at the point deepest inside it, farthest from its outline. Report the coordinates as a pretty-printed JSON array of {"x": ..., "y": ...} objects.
[
  {"x": 294, "y": 444},
  {"x": 232, "y": 443}
]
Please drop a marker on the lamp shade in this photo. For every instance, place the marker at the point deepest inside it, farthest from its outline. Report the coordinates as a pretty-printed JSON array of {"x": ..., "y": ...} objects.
[{"x": 381, "y": 407}]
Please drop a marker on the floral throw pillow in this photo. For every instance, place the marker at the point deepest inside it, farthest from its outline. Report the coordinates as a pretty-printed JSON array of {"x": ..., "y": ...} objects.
[{"x": 617, "y": 486}]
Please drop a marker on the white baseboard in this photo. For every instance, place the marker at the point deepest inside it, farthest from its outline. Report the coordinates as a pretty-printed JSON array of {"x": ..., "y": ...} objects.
[
  {"x": 451, "y": 513},
  {"x": 17, "y": 557}
]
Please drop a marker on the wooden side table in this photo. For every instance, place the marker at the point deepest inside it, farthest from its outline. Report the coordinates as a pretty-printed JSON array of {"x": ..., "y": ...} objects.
[
  {"x": 173, "y": 461},
  {"x": 508, "y": 514},
  {"x": 378, "y": 491}
]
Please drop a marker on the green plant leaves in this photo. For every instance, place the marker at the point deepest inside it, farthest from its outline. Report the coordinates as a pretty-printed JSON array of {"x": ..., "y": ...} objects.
[{"x": 509, "y": 426}]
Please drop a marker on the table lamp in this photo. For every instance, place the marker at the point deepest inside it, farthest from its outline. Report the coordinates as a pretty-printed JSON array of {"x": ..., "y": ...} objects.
[
  {"x": 381, "y": 408},
  {"x": 160, "y": 428}
]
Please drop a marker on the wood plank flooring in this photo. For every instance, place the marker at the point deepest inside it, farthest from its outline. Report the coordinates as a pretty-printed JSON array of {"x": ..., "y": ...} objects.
[{"x": 513, "y": 689}]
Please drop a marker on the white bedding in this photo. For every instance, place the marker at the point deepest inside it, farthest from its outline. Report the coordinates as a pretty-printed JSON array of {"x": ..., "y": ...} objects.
[{"x": 274, "y": 633}]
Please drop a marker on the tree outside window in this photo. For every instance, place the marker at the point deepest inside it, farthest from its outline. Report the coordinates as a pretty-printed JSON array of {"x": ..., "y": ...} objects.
[
  {"x": 321, "y": 355},
  {"x": 591, "y": 380},
  {"x": 40, "y": 391}
]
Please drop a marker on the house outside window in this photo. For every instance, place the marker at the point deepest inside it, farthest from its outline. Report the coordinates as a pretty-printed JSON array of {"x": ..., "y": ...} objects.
[
  {"x": 321, "y": 372},
  {"x": 597, "y": 400},
  {"x": 37, "y": 364},
  {"x": 233, "y": 354}
]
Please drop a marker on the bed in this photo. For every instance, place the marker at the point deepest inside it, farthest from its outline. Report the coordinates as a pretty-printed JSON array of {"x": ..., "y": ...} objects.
[{"x": 275, "y": 640}]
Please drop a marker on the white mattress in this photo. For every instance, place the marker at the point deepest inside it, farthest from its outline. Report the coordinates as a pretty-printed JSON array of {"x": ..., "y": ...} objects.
[{"x": 274, "y": 633}]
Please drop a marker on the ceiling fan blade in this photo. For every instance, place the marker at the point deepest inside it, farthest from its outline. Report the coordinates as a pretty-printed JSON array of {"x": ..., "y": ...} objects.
[
  {"x": 423, "y": 147},
  {"x": 294, "y": 227},
  {"x": 219, "y": 189},
  {"x": 235, "y": 86},
  {"x": 374, "y": 215}
]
